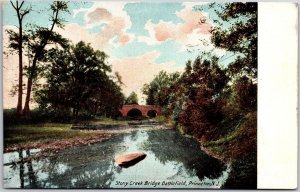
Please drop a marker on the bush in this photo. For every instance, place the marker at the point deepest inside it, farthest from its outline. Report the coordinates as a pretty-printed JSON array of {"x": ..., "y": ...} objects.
[{"x": 37, "y": 115}]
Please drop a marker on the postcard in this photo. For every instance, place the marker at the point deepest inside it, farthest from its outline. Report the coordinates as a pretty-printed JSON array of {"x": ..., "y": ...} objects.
[{"x": 147, "y": 95}]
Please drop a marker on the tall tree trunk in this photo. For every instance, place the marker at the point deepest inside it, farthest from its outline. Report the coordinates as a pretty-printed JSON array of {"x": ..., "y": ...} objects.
[
  {"x": 20, "y": 91},
  {"x": 26, "y": 110},
  {"x": 20, "y": 13},
  {"x": 32, "y": 73}
]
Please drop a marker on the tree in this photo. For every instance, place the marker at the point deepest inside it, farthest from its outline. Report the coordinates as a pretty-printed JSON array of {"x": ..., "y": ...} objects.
[
  {"x": 240, "y": 38},
  {"x": 78, "y": 80},
  {"x": 244, "y": 95},
  {"x": 205, "y": 84},
  {"x": 17, "y": 44},
  {"x": 132, "y": 99},
  {"x": 163, "y": 91},
  {"x": 157, "y": 90},
  {"x": 39, "y": 38}
]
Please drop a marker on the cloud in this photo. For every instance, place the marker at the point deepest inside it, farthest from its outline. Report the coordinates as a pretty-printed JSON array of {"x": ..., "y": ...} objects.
[
  {"x": 111, "y": 16},
  {"x": 109, "y": 37},
  {"x": 163, "y": 31},
  {"x": 191, "y": 5},
  {"x": 97, "y": 14},
  {"x": 136, "y": 71},
  {"x": 193, "y": 33}
]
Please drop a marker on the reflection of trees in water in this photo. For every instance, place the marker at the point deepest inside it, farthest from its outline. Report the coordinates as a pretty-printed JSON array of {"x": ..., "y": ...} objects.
[
  {"x": 96, "y": 175},
  {"x": 133, "y": 135},
  {"x": 93, "y": 166},
  {"x": 168, "y": 145},
  {"x": 31, "y": 174},
  {"x": 78, "y": 167},
  {"x": 21, "y": 167},
  {"x": 85, "y": 167}
]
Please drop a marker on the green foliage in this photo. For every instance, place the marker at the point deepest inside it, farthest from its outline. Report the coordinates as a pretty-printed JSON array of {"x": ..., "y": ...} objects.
[
  {"x": 78, "y": 81},
  {"x": 161, "y": 91},
  {"x": 39, "y": 38},
  {"x": 132, "y": 99},
  {"x": 240, "y": 38},
  {"x": 13, "y": 40}
]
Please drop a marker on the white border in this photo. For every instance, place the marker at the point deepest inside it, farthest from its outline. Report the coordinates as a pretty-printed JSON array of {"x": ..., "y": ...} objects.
[{"x": 277, "y": 95}]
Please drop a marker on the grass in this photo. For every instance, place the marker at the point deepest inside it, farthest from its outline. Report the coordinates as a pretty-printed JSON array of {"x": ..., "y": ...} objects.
[
  {"x": 236, "y": 144},
  {"x": 107, "y": 121},
  {"x": 164, "y": 120},
  {"x": 241, "y": 140},
  {"x": 26, "y": 134},
  {"x": 41, "y": 133},
  {"x": 239, "y": 147}
]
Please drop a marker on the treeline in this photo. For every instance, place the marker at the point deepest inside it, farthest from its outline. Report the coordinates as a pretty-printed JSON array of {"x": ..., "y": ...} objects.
[
  {"x": 79, "y": 83},
  {"x": 216, "y": 104},
  {"x": 66, "y": 80}
]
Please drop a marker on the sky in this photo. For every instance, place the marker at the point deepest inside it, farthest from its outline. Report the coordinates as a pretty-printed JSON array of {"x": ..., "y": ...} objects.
[{"x": 140, "y": 38}]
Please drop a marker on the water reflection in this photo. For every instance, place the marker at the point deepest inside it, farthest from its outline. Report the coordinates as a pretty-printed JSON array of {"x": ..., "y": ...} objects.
[
  {"x": 170, "y": 157},
  {"x": 21, "y": 168},
  {"x": 187, "y": 151}
]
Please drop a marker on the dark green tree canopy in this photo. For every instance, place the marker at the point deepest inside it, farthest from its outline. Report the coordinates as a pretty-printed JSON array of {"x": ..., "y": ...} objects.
[
  {"x": 132, "y": 99},
  {"x": 78, "y": 79}
]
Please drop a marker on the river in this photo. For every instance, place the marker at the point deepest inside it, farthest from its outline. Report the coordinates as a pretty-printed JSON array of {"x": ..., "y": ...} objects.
[{"x": 172, "y": 161}]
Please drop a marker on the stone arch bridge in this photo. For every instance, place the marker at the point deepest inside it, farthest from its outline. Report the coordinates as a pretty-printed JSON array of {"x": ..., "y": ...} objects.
[{"x": 140, "y": 110}]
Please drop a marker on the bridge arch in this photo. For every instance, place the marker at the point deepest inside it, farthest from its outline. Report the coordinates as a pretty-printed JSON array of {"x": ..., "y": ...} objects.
[
  {"x": 152, "y": 113},
  {"x": 146, "y": 110},
  {"x": 134, "y": 112}
]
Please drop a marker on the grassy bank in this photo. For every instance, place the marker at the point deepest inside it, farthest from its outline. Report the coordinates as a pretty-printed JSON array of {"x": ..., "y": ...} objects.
[
  {"x": 168, "y": 122},
  {"x": 52, "y": 135},
  {"x": 48, "y": 135},
  {"x": 236, "y": 144},
  {"x": 239, "y": 147}
]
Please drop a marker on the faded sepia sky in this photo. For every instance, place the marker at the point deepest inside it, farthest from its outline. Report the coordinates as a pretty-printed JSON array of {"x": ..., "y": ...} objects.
[{"x": 140, "y": 38}]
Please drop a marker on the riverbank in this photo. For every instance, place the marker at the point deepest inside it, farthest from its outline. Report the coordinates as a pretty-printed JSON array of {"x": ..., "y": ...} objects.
[
  {"x": 171, "y": 158},
  {"x": 53, "y": 137},
  {"x": 236, "y": 146},
  {"x": 50, "y": 137}
]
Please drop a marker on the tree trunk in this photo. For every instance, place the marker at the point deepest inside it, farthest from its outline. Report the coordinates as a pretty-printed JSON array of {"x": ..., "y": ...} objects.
[
  {"x": 20, "y": 15},
  {"x": 26, "y": 110},
  {"x": 20, "y": 91}
]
